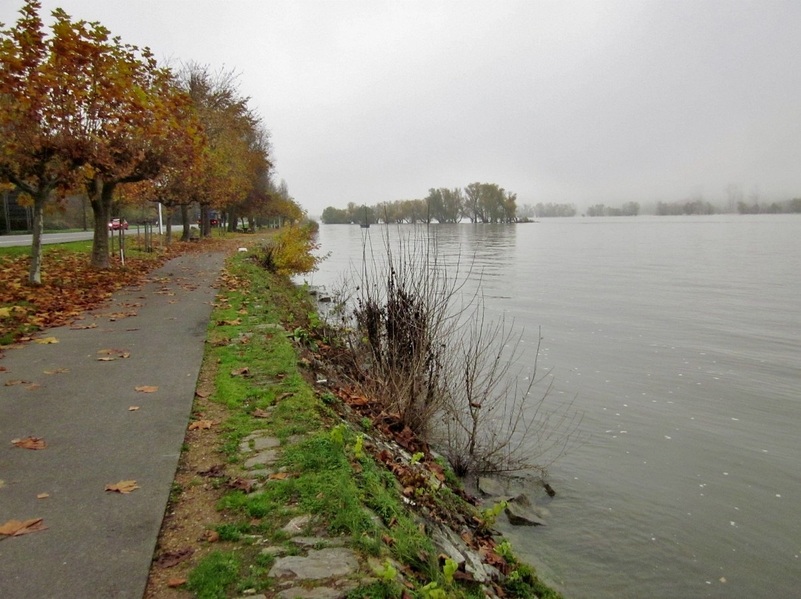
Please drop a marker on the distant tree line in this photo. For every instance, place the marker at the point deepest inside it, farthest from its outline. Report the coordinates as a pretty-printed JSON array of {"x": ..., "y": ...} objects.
[
  {"x": 786, "y": 207},
  {"x": 695, "y": 206},
  {"x": 628, "y": 209},
  {"x": 477, "y": 202},
  {"x": 550, "y": 210}
]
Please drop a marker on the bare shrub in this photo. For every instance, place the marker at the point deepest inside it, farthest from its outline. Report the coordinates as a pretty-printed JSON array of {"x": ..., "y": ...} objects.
[
  {"x": 493, "y": 420},
  {"x": 401, "y": 319},
  {"x": 420, "y": 346}
]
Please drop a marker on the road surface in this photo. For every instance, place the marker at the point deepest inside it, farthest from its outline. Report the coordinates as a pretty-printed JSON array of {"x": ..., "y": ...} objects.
[{"x": 16, "y": 240}]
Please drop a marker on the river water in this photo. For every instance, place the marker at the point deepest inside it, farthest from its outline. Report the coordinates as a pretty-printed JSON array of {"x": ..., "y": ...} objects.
[{"x": 678, "y": 340}]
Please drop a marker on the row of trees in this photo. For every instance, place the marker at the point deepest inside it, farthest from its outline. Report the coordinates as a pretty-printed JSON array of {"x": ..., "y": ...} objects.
[
  {"x": 478, "y": 202},
  {"x": 82, "y": 111},
  {"x": 787, "y": 207},
  {"x": 628, "y": 209}
]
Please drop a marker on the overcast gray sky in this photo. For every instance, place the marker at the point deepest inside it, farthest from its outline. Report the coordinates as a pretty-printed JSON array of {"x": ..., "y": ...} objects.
[{"x": 583, "y": 102}]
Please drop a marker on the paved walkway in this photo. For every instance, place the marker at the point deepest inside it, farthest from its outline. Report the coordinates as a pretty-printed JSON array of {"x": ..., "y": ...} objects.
[{"x": 100, "y": 543}]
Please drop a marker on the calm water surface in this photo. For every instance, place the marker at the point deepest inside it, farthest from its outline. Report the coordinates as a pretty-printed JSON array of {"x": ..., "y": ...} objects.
[{"x": 679, "y": 339}]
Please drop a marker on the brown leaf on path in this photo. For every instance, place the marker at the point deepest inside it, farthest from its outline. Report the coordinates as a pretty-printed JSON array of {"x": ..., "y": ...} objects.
[
  {"x": 46, "y": 340},
  {"x": 202, "y": 394},
  {"x": 29, "y": 443},
  {"x": 133, "y": 408},
  {"x": 231, "y": 323},
  {"x": 243, "y": 484},
  {"x": 115, "y": 316},
  {"x": 176, "y": 582},
  {"x": 42, "y": 495},
  {"x": 16, "y": 528},
  {"x": 107, "y": 355},
  {"x": 16, "y": 382},
  {"x": 32, "y": 386},
  {"x": 259, "y": 413},
  {"x": 81, "y": 327},
  {"x": 210, "y": 536},
  {"x": 3, "y": 369},
  {"x": 146, "y": 388},
  {"x": 124, "y": 486},
  {"x": 216, "y": 471},
  {"x": 201, "y": 424},
  {"x": 57, "y": 371},
  {"x": 168, "y": 559}
]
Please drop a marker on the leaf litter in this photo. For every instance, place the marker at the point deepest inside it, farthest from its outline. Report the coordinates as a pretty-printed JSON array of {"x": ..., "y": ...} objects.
[
  {"x": 17, "y": 528},
  {"x": 124, "y": 487},
  {"x": 29, "y": 443}
]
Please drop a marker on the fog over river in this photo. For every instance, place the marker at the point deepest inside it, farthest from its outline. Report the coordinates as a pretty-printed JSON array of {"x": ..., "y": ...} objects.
[{"x": 679, "y": 340}]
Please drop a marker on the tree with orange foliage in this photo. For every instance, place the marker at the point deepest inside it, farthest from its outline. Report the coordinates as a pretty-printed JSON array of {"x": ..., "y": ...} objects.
[
  {"x": 237, "y": 158},
  {"x": 137, "y": 122},
  {"x": 40, "y": 151},
  {"x": 82, "y": 100}
]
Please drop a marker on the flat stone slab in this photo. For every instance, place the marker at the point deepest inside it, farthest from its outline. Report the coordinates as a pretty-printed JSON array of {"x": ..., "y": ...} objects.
[
  {"x": 268, "y": 457},
  {"x": 258, "y": 443},
  {"x": 318, "y": 593},
  {"x": 296, "y": 525},
  {"x": 492, "y": 487},
  {"x": 317, "y": 565},
  {"x": 521, "y": 513}
]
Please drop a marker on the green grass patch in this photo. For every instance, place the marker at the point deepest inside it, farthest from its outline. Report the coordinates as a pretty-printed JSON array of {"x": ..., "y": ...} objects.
[
  {"x": 214, "y": 575},
  {"x": 48, "y": 248},
  {"x": 257, "y": 327}
]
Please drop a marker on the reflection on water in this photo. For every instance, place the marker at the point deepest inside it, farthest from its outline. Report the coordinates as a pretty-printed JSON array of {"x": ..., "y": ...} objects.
[{"x": 678, "y": 339}]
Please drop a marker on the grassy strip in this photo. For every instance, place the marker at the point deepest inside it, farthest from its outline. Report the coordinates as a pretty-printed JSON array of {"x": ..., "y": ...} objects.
[
  {"x": 327, "y": 468},
  {"x": 15, "y": 251}
]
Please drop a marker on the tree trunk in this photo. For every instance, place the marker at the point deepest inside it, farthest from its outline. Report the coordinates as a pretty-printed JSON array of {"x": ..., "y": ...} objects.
[
  {"x": 185, "y": 222},
  {"x": 168, "y": 239},
  {"x": 100, "y": 197},
  {"x": 35, "y": 272},
  {"x": 205, "y": 227}
]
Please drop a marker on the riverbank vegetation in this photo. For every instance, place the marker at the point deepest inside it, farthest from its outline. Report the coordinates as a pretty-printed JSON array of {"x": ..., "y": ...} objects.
[
  {"x": 286, "y": 465},
  {"x": 416, "y": 339}
]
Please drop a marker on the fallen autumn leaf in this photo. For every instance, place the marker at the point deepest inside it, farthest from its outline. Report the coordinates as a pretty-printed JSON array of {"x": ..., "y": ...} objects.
[
  {"x": 16, "y": 382},
  {"x": 29, "y": 443},
  {"x": 46, "y": 340},
  {"x": 124, "y": 486},
  {"x": 201, "y": 424},
  {"x": 16, "y": 528},
  {"x": 146, "y": 388},
  {"x": 57, "y": 371}
]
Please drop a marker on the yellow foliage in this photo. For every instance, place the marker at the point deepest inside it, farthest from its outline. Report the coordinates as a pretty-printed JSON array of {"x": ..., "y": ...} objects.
[{"x": 292, "y": 251}]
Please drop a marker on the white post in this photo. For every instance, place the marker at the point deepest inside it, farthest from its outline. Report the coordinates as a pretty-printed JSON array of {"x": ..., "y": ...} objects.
[{"x": 161, "y": 231}]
